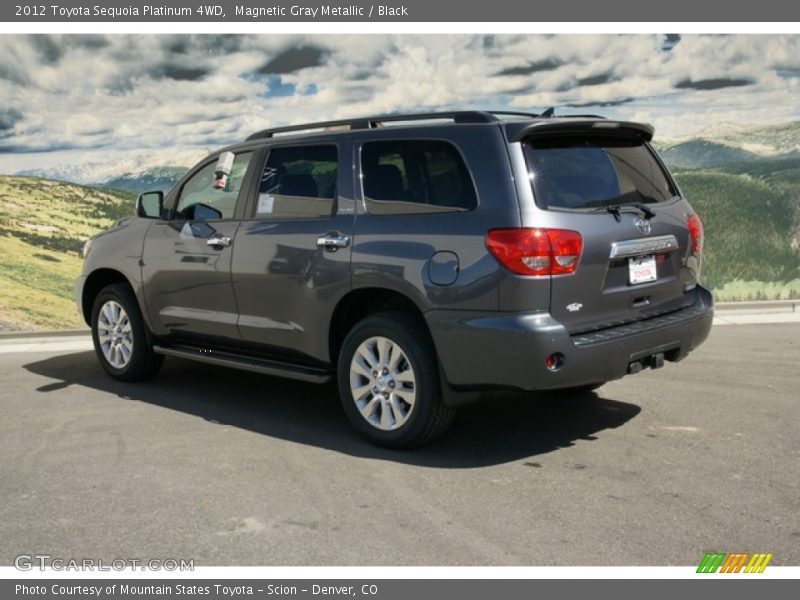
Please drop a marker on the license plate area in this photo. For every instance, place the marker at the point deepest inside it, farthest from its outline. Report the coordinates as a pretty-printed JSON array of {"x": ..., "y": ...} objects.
[{"x": 642, "y": 269}]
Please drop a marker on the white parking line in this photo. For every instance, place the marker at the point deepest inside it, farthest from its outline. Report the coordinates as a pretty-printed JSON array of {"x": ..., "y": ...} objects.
[
  {"x": 55, "y": 344},
  {"x": 726, "y": 318}
]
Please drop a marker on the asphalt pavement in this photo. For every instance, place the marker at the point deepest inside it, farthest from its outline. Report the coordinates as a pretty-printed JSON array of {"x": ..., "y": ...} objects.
[{"x": 232, "y": 468}]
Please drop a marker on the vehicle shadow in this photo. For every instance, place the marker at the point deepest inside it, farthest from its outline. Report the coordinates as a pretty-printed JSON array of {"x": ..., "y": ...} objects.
[{"x": 498, "y": 430}]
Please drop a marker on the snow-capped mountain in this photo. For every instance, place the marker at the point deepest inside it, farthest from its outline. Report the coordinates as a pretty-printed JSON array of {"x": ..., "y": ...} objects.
[
  {"x": 158, "y": 178},
  {"x": 135, "y": 173}
]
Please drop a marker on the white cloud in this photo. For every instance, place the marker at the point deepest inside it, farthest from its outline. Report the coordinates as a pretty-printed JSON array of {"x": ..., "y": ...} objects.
[{"x": 82, "y": 98}]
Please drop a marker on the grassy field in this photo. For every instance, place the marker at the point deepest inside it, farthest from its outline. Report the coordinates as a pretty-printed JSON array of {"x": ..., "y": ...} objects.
[
  {"x": 43, "y": 225},
  {"x": 738, "y": 291}
]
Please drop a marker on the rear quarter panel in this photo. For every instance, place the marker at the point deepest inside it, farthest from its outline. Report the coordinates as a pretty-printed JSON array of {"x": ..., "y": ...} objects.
[{"x": 395, "y": 251}]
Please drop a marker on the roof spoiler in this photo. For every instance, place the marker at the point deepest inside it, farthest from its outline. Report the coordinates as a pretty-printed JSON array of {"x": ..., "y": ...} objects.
[{"x": 517, "y": 131}]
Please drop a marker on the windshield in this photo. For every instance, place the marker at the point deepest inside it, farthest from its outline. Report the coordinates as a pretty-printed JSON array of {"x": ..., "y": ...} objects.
[{"x": 589, "y": 172}]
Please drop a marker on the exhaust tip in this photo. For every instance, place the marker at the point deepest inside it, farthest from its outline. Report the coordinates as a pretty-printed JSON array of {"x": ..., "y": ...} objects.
[{"x": 635, "y": 367}]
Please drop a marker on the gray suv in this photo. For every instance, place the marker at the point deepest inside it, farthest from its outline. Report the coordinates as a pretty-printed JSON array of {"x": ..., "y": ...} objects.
[{"x": 418, "y": 260}]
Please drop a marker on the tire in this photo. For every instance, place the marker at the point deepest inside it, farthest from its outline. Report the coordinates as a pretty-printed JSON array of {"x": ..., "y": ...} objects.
[
  {"x": 402, "y": 406},
  {"x": 120, "y": 336}
]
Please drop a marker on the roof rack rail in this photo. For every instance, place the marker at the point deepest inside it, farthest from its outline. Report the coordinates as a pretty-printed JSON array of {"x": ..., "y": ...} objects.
[
  {"x": 514, "y": 113},
  {"x": 465, "y": 116},
  {"x": 547, "y": 114}
]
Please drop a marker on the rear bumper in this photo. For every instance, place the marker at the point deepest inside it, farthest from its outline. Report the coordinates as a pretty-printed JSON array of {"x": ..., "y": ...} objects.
[{"x": 484, "y": 350}]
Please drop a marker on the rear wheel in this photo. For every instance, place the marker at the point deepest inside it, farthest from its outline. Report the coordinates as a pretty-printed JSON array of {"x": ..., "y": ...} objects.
[
  {"x": 389, "y": 381},
  {"x": 120, "y": 335}
]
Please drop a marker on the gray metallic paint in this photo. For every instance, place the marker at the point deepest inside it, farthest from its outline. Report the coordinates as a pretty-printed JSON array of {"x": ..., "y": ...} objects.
[
  {"x": 187, "y": 284},
  {"x": 117, "y": 249}
]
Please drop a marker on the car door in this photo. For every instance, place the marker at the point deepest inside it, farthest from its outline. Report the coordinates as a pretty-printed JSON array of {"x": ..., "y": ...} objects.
[
  {"x": 291, "y": 262},
  {"x": 187, "y": 259}
]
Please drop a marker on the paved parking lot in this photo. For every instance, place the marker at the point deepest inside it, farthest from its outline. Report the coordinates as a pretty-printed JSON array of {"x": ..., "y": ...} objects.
[{"x": 233, "y": 468}]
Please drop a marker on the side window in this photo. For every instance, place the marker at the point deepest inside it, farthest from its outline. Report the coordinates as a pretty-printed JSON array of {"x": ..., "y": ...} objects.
[
  {"x": 299, "y": 182},
  {"x": 200, "y": 201},
  {"x": 415, "y": 176}
]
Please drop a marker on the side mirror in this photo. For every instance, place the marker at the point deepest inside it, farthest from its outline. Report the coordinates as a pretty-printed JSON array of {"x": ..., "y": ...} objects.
[{"x": 149, "y": 205}]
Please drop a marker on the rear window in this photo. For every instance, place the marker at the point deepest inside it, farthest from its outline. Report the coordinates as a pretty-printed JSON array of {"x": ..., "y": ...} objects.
[{"x": 586, "y": 173}]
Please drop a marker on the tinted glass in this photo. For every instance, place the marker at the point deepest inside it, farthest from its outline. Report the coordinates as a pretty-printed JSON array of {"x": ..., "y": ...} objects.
[
  {"x": 199, "y": 200},
  {"x": 415, "y": 176},
  {"x": 584, "y": 173},
  {"x": 299, "y": 182}
]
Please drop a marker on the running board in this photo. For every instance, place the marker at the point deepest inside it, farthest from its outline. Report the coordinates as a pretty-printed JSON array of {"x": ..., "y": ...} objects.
[{"x": 247, "y": 363}]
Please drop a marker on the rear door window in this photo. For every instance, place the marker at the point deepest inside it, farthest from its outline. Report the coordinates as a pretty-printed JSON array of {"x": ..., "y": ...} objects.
[
  {"x": 587, "y": 173},
  {"x": 415, "y": 176},
  {"x": 299, "y": 182}
]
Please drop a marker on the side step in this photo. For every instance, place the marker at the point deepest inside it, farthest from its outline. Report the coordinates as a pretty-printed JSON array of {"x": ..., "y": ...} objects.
[{"x": 247, "y": 363}]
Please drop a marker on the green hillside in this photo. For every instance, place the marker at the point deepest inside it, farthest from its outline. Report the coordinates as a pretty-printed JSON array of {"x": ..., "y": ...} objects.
[
  {"x": 43, "y": 225},
  {"x": 783, "y": 174},
  {"x": 751, "y": 217}
]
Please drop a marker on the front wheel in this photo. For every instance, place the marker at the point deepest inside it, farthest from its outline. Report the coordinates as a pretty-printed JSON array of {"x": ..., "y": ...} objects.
[
  {"x": 389, "y": 381},
  {"x": 120, "y": 336}
]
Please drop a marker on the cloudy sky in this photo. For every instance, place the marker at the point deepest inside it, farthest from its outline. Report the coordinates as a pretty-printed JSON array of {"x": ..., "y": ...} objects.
[{"x": 73, "y": 100}]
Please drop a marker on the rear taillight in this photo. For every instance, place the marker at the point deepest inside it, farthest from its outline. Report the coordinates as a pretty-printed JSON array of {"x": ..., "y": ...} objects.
[
  {"x": 528, "y": 251},
  {"x": 696, "y": 232}
]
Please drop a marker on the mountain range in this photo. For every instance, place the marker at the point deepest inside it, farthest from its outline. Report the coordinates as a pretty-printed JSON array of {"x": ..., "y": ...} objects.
[
  {"x": 724, "y": 144},
  {"x": 718, "y": 145},
  {"x": 138, "y": 173}
]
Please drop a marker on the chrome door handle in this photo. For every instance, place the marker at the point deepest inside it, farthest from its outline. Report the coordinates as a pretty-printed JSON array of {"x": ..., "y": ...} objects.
[
  {"x": 333, "y": 242},
  {"x": 221, "y": 241}
]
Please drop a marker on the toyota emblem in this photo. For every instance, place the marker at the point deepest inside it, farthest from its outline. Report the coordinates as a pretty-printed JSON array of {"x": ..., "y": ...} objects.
[{"x": 642, "y": 225}]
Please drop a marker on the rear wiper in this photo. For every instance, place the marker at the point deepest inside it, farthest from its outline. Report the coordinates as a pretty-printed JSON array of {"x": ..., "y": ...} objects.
[{"x": 639, "y": 209}]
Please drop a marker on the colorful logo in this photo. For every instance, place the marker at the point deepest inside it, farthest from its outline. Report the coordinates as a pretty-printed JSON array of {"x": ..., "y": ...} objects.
[{"x": 734, "y": 562}]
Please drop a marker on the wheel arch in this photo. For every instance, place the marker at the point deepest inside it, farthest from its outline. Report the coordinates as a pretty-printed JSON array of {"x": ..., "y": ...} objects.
[
  {"x": 95, "y": 282},
  {"x": 360, "y": 303}
]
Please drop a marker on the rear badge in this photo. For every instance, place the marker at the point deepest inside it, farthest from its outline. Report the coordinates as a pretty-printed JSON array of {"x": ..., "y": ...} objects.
[
  {"x": 574, "y": 307},
  {"x": 642, "y": 225}
]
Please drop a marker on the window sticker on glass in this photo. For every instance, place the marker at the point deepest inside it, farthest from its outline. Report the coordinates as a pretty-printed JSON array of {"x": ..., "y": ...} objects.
[{"x": 266, "y": 203}]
